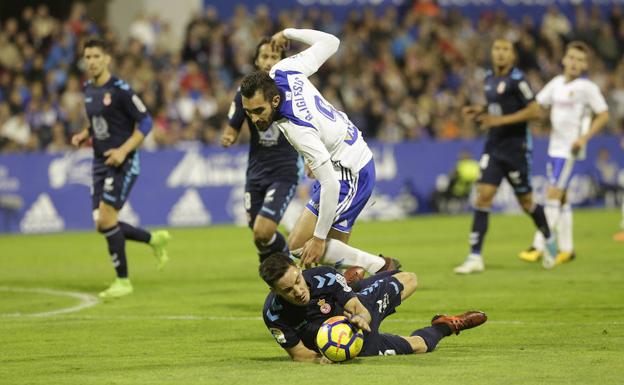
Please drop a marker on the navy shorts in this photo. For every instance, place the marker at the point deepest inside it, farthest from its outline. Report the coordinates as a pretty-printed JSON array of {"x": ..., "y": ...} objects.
[
  {"x": 381, "y": 298},
  {"x": 268, "y": 199},
  {"x": 112, "y": 185},
  {"x": 516, "y": 168}
]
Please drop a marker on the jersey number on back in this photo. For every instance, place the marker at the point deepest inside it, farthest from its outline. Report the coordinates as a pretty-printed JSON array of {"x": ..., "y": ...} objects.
[{"x": 328, "y": 111}]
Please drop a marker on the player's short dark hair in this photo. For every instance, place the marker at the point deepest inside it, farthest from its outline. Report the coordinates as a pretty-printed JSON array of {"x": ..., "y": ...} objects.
[
  {"x": 274, "y": 267},
  {"x": 259, "y": 80},
  {"x": 580, "y": 46},
  {"x": 96, "y": 42},
  {"x": 263, "y": 41}
]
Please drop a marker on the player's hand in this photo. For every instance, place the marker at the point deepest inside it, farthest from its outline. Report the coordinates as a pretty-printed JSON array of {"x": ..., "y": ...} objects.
[
  {"x": 358, "y": 321},
  {"x": 115, "y": 157},
  {"x": 229, "y": 137},
  {"x": 77, "y": 139},
  {"x": 470, "y": 112},
  {"x": 279, "y": 42},
  {"x": 578, "y": 145},
  {"x": 308, "y": 172},
  {"x": 487, "y": 121},
  {"x": 312, "y": 251},
  {"x": 325, "y": 361}
]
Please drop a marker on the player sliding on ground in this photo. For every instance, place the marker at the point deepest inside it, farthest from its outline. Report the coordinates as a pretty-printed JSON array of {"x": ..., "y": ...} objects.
[
  {"x": 572, "y": 99},
  {"x": 332, "y": 147},
  {"x": 114, "y": 110},
  {"x": 300, "y": 301}
]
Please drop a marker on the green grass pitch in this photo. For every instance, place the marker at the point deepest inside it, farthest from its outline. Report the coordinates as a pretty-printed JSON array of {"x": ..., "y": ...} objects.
[{"x": 198, "y": 322}]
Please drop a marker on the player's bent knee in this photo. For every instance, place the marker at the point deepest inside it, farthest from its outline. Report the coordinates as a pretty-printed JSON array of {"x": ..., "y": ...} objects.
[{"x": 409, "y": 281}]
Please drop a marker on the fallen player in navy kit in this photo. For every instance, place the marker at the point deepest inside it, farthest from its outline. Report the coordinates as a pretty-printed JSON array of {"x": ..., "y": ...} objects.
[{"x": 300, "y": 301}]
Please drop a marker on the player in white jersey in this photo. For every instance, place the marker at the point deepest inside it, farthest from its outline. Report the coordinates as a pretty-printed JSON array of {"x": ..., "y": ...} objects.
[
  {"x": 333, "y": 149},
  {"x": 572, "y": 99}
]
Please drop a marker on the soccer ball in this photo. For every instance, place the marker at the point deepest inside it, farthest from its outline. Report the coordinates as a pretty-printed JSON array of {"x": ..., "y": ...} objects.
[{"x": 339, "y": 340}]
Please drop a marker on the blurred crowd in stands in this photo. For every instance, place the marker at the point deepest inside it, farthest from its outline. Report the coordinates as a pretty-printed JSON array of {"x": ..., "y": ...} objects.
[{"x": 402, "y": 75}]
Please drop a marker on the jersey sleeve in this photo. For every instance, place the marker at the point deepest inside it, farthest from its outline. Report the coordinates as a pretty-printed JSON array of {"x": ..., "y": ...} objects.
[
  {"x": 595, "y": 99},
  {"x": 545, "y": 96},
  {"x": 525, "y": 93},
  {"x": 284, "y": 335},
  {"x": 236, "y": 114},
  {"x": 307, "y": 62},
  {"x": 307, "y": 141},
  {"x": 133, "y": 105}
]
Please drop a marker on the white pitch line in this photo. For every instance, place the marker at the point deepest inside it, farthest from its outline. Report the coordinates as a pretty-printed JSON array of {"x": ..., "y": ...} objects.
[{"x": 86, "y": 301}]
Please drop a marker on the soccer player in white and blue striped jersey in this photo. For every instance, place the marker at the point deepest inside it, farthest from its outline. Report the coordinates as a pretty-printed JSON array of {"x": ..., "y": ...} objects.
[{"x": 332, "y": 147}]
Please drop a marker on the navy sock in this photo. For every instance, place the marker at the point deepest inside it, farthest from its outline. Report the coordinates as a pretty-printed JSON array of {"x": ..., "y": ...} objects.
[
  {"x": 479, "y": 229},
  {"x": 432, "y": 335},
  {"x": 134, "y": 233},
  {"x": 539, "y": 218},
  {"x": 277, "y": 244},
  {"x": 117, "y": 250}
]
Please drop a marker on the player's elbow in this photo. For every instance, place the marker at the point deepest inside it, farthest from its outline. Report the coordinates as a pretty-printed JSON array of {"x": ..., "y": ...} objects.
[{"x": 333, "y": 43}]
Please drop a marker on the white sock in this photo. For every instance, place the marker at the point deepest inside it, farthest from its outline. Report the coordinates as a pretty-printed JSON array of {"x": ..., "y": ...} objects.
[
  {"x": 538, "y": 241},
  {"x": 339, "y": 252},
  {"x": 552, "y": 210},
  {"x": 564, "y": 229}
]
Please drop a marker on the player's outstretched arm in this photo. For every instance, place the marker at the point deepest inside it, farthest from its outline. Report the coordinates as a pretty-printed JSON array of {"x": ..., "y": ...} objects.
[
  {"x": 531, "y": 112},
  {"x": 322, "y": 46},
  {"x": 358, "y": 314}
]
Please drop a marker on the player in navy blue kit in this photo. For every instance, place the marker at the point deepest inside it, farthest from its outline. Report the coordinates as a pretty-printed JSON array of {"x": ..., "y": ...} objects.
[
  {"x": 508, "y": 149},
  {"x": 114, "y": 111},
  {"x": 274, "y": 166},
  {"x": 300, "y": 301}
]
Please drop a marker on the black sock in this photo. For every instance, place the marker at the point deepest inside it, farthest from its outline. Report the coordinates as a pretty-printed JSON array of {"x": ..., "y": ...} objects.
[
  {"x": 432, "y": 335},
  {"x": 539, "y": 218},
  {"x": 277, "y": 244},
  {"x": 134, "y": 233},
  {"x": 117, "y": 250},
  {"x": 479, "y": 228}
]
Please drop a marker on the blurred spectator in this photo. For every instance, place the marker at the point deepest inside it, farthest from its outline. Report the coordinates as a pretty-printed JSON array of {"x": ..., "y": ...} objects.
[{"x": 399, "y": 74}]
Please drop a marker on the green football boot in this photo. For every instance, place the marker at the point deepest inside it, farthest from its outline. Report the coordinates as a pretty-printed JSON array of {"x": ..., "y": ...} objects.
[
  {"x": 158, "y": 242},
  {"x": 119, "y": 288}
]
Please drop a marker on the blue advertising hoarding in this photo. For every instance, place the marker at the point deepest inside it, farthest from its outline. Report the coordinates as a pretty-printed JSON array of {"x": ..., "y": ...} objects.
[{"x": 200, "y": 186}]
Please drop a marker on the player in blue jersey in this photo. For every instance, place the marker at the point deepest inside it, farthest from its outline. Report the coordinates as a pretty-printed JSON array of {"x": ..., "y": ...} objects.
[
  {"x": 274, "y": 166},
  {"x": 118, "y": 122},
  {"x": 508, "y": 149},
  {"x": 300, "y": 301},
  {"x": 332, "y": 147}
]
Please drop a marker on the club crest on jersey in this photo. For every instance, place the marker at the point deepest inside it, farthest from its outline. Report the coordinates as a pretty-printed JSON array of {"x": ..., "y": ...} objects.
[
  {"x": 107, "y": 99},
  {"x": 500, "y": 88},
  {"x": 324, "y": 307}
]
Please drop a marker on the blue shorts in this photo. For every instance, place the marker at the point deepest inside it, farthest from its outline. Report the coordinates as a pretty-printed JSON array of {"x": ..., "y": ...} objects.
[
  {"x": 560, "y": 171},
  {"x": 268, "y": 199},
  {"x": 355, "y": 190},
  {"x": 112, "y": 185},
  {"x": 381, "y": 298}
]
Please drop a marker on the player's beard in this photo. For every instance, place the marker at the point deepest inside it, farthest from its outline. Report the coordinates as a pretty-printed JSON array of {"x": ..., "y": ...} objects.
[{"x": 269, "y": 120}]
